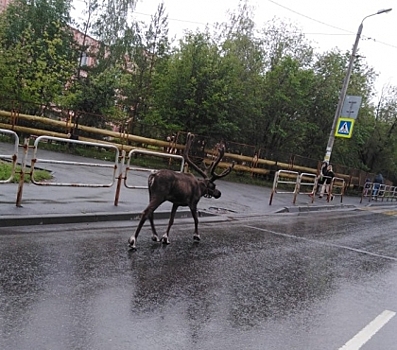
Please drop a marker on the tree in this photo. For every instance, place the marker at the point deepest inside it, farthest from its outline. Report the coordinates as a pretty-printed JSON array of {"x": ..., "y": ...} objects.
[
  {"x": 288, "y": 90},
  {"x": 192, "y": 90},
  {"x": 146, "y": 47},
  {"x": 242, "y": 69},
  {"x": 39, "y": 58},
  {"x": 378, "y": 152},
  {"x": 107, "y": 20},
  {"x": 284, "y": 39}
]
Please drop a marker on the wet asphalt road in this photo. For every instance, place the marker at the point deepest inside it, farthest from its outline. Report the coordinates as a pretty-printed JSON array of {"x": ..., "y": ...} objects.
[{"x": 278, "y": 282}]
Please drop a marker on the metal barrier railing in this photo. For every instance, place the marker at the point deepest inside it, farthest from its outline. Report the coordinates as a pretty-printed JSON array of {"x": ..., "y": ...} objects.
[
  {"x": 390, "y": 193},
  {"x": 11, "y": 157},
  {"x": 376, "y": 191},
  {"x": 367, "y": 191},
  {"x": 36, "y": 160},
  {"x": 296, "y": 181},
  {"x": 120, "y": 168},
  {"x": 285, "y": 177},
  {"x": 337, "y": 188},
  {"x": 387, "y": 192},
  {"x": 306, "y": 180},
  {"x": 152, "y": 153}
]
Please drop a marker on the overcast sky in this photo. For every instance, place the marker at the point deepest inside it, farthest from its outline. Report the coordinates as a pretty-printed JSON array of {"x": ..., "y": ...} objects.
[{"x": 327, "y": 24}]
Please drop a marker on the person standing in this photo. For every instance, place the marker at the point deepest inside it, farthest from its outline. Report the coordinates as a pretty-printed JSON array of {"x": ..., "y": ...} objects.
[
  {"x": 367, "y": 186},
  {"x": 329, "y": 175},
  {"x": 377, "y": 182},
  {"x": 321, "y": 176}
]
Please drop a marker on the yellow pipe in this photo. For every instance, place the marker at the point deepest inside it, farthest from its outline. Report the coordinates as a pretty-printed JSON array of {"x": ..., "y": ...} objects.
[{"x": 67, "y": 125}]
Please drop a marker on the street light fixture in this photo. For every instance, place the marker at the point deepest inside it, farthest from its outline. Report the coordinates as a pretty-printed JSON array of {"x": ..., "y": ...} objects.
[{"x": 346, "y": 81}]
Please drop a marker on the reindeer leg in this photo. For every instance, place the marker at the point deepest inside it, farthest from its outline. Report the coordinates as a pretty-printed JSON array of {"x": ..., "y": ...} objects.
[
  {"x": 147, "y": 213},
  {"x": 165, "y": 239},
  {"x": 133, "y": 238},
  {"x": 155, "y": 237},
  {"x": 196, "y": 235}
]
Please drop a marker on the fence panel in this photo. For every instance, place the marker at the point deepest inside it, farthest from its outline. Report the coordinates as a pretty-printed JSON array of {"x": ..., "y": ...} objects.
[
  {"x": 36, "y": 161},
  {"x": 337, "y": 188},
  {"x": 284, "y": 177},
  {"x": 151, "y": 153},
  {"x": 306, "y": 181}
]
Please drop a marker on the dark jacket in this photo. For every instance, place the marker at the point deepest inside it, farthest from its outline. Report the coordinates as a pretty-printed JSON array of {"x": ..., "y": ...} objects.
[
  {"x": 329, "y": 176},
  {"x": 378, "y": 179}
]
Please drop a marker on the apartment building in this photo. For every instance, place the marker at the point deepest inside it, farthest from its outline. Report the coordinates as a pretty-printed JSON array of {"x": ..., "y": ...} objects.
[
  {"x": 4, "y": 4},
  {"x": 92, "y": 45},
  {"x": 89, "y": 42}
]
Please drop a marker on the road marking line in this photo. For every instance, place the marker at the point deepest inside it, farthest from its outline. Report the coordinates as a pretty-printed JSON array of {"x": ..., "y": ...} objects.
[
  {"x": 323, "y": 243},
  {"x": 368, "y": 331}
]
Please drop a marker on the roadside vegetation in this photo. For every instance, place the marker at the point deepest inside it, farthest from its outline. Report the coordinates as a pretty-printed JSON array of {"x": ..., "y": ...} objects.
[{"x": 6, "y": 169}]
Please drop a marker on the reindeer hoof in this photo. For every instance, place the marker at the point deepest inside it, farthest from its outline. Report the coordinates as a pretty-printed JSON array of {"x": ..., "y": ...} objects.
[
  {"x": 165, "y": 240},
  {"x": 131, "y": 243},
  {"x": 155, "y": 238},
  {"x": 196, "y": 238}
]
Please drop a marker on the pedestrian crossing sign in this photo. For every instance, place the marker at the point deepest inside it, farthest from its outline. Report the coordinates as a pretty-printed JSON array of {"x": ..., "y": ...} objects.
[{"x": 344, "y": 128}]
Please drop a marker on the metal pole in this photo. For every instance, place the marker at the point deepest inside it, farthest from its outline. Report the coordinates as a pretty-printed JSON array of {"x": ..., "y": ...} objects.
[{"x": 346, "y": 81}]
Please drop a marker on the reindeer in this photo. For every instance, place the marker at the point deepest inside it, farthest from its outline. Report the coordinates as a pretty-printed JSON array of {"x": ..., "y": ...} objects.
[{"x": 181, "y": 189}]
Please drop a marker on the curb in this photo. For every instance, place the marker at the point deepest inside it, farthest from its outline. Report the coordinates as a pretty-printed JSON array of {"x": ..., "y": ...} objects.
[
  {"x": 11, "y": 221},
  {"x": 218, "y": 213}
]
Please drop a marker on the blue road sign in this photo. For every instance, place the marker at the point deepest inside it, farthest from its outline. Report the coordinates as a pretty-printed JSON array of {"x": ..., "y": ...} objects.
[{"x": 344, "y": 128}]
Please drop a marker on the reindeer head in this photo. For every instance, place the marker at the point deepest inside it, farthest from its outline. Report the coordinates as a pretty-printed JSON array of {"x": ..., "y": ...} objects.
[{"x": 208, "y": 174}]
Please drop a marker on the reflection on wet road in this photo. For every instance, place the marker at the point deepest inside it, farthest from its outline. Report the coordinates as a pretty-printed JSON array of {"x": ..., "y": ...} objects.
[{"x": 281, "y": 282}]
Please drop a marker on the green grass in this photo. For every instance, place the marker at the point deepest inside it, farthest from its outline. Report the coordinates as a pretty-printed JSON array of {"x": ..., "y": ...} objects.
[{"x": 6, "y": 169}]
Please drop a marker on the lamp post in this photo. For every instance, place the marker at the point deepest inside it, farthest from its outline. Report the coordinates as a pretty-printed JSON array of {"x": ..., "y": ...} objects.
[{"x": 346, "y": 81}]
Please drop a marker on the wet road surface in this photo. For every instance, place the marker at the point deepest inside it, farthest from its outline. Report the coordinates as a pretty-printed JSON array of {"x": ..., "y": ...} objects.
[{"x": 279, "y": 282}]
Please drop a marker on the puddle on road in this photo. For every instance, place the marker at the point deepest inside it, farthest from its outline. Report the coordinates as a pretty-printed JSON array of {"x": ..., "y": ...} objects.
[{"x": 218, "y": 210}]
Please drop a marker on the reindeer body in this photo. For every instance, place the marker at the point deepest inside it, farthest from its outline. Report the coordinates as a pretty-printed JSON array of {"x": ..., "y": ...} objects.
[{"x": 180, "y": 189}]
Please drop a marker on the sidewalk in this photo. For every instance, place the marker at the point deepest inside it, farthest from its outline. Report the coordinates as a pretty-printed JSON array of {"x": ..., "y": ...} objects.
[{"x": 57, "y": 205}]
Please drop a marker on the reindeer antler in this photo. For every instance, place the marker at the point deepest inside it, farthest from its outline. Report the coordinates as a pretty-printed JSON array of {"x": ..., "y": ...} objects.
[
  {"x": 211, "y": 169},
  {"x": 214, "y": 176},
  {"x": 189, "y": 141}
]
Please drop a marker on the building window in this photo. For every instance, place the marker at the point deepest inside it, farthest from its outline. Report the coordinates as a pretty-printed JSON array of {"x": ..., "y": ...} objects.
[{"x": 83, "y": 60}]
